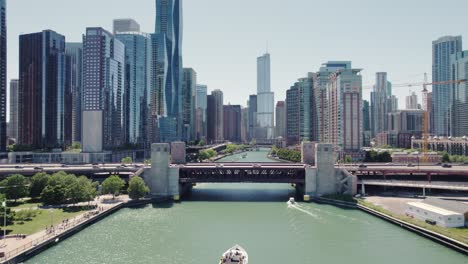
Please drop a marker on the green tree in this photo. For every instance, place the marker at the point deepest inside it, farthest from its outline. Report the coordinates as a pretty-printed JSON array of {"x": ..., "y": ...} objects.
[
  {"x": 38, "y": 182},
  {"x": 137, "y": 188},
  {"x": 348, "y": 159},
  {"x": 127, "y": 160},
  {"x": 58, "y": 189},
  {"x": 83, "y": 190},
  {"x": 202, "y": 143},
  {"x": 113, "y": 185},
  {"x": 147, "y": 162},
  {"x": 445, "y": 157},
  {"x": 15, "y": 187}
]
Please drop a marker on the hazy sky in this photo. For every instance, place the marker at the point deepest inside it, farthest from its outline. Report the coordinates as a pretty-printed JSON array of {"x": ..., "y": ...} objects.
[{"x": 223, "y": 38}]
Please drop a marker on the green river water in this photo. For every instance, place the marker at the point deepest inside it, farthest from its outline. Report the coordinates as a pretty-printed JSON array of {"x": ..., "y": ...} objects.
[{"x": 255, "y": 216}]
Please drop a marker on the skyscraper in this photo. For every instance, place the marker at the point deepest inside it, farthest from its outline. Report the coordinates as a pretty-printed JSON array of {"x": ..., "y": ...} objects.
[
  {"x": 252, "y": 105},
  {"x": 137, "y": 87},
  {"x": 126, "y": 25},
  {"x": 232, "y": 116},
  {"x": 381, "y": 103},
  {"x": 459, "y": 109},
  {"x": 103, "y": 91},
  {"x": 265, "y": 100},
  {"x": 75, "y": 53},
  {"x": 412, "y": 101},
  {"x": 3, "y": 75},
  {"x": 14, "y": 110},
  {"x": 215, "y": 116},
  {"x": 42, "y": 89},
  {"x": 189, "y": 87},
  {"x": 200, "y": 111},
  {"x": 281, "y": 119},
  {"x": 167, "y": 69},
  {"x": 442, "y": 49},
  {"x": 366, "y": 123}
]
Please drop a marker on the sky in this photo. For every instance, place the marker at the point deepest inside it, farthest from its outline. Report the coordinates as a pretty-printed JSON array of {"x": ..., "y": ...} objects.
[{"x": 222, "y": 39}]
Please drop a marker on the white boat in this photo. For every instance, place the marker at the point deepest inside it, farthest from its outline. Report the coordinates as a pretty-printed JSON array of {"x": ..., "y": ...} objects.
[
  {"x": 292, "y": 200},
  {"x": 235, "y": 255}
]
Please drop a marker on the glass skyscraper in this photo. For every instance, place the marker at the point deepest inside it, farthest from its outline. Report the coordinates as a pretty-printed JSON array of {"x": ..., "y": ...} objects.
[
  {"x": 459, "y": 71},
  {"x": 74, "y": 52},
  {"x": 3, "y": 75},
  {"x": 167, "y": 68},
  {"x": 265, "y": 100},
  {"x": 200, "y": 111}
]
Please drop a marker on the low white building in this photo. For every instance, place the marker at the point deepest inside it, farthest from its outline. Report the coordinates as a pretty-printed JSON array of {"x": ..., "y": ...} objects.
[{"x": 448, "y": 214}]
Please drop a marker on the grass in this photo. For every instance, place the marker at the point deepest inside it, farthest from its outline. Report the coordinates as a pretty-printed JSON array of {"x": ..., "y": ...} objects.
[
  {"x": 459, "y": 234},
  {"x": 42, "y": 220},
  {"x": 25, "y": 203}
]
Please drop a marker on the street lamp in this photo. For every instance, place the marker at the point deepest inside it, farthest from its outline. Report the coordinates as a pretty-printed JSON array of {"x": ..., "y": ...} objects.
[{"x": 4, "y": 221}]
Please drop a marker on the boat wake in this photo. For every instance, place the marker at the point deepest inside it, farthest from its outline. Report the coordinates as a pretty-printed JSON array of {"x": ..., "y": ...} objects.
[{"x": 296, "y": 206}]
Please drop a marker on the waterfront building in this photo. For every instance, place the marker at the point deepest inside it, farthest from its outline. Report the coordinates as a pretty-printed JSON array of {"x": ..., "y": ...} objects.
[
  {"x": 125, "y": 25},
  {"x": 167, "y": 70},
  {"x": 445, "y": 213},
  {"x": 452, "y": 145},
  {"x": 215, "y": 117},
  {"x": 366, "y": 123},
  {"x": 42, "y": 89},
  {"x": 345, "y": 109},
  {"x": 301, "y": 111},
  {"x": 442, "y": 49},
  {"x": 321, "y": 96},
  {"x": 244, "y": 125},
  {"x": 3, "y": 75},
  {"x": 137, "y": 108},
  {"x": 265, "y": 100},
  {"x": 404, "y": 125},
  {"x": 412, "y": 101},
  {"x": 103, "y": 91},
  {"x": 200, "y": 111},
  {"x": 232, "y": 116},
  {"x": 280, "y": 119},
  {"x": 189, "y": 86},
  {"x": 381, "y": 103},
  {"x": 252, "y": 105},
  {"x": 14, "y": 110},
  {"x": 74, "y": 53},
  {"x": 459, "y": 109}
]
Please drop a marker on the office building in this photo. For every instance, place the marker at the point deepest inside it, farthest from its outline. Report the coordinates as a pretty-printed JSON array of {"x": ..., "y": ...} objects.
[
  {"x": 125, "y": 25},
  {"x": 245, "y": 125},
  {"x": 189, "y": 87},
  {"x": 252, "y": 105},
  {"x": 412, "y": 101},
  {"x": 265, "y": 100},
  {"x": 14, "y": 110},
  {"x": 232, "y": 116},
  {"x": 200, "y": 111},
  {"x": 280, "y": 119},
  {"x": 442, "y": 49},
  {"x": 366, "y": 123},
  {"x": 74, "y": 52},
  {"x": 137, "y": 108},
  {"x": 215, "y": 117},
  {"x": 103, "y": 91},
  {"x": 42, "y": 89},
  {"x": 381, "y": 104},
  {"x": 167, "y": 70},
  {"x": 459, "y": 108},
  {"x": 3, "y": 75},
  {"x": 403, "y": 125}
]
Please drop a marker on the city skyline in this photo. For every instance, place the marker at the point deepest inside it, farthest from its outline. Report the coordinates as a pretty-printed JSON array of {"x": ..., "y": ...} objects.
[{"x": 379, "y": 54}]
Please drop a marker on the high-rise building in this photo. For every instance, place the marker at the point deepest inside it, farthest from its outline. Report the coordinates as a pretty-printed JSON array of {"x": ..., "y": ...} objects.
[
  {"x": 321, "y": 96},
  {"x": 14, "y": 110},
  {"x": 137, "y": 109},
  {"x": 74, "y": 52},
  {"x": 403, "y": 125},
  {"x": 42, "y": 89},
  {"x": 412, "y": 101},
  {"x": 126, "y": 25},
  {"x": 215, "y": 117},
  {"x": 301, "y": 126},
  {"x": 382, "y": 104},
  {"x": 345, "y": 109},
  {"x": 281, "y": 119},
  {"x": 459, "y": 109},
  {"x": 189, "y": 87},
  {"x": 244, "y": 125},
  {"x": 103, "y": 91},
  {"x": 167, "y": 69},
  {"x": 442, "y": 49},
  {"x": 252, "y": 105},
  {"x": 265, "y": 100},
  {"x": 3, "y": 75},
  {"x": 232, "y": 116},
  {"x": 366, "y": 123},
  {"x": 200, "y": 111}
]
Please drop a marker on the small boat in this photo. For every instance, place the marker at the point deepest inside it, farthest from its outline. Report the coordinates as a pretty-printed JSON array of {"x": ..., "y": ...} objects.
[
  {"x": 292, "y": 200},
  {"x": 244, "y": 155},
  {"x": 235, "y": 255}
]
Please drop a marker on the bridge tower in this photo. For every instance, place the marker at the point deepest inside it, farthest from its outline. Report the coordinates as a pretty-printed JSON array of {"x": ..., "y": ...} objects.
[{"x": 162, "y": 179}]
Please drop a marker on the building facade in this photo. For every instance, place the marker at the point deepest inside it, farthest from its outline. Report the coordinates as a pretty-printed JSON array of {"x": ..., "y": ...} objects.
[
  {"x": 403, "y": 125},
  {"x": 137, "y": 125},
  {"x": 459, "y": 104},
  {"x": 412, "y": 101},
  {"x": 366, "y": 123},
  {"x": 42, "y": 90},
  {"x": 215, "y": 116},
  {"x": 74, "y": 53},
  {"x": 14, "y": 110},
  {"x": 200, "y": 112},
  {"x": 442, "y": 49},
  {"x": 3, "y": 75},
  {"x": 103, "y": 91},
  {"x": 252, "y": 105},
  {"x": 126, "y": 25},
  {"x": 382, "y": 103},
  {"x": 189, "y": 87},
  {"x": 265, "y": 100},
  {"x": 280, "y": 119},
  {"x": 232, "y": 116}
]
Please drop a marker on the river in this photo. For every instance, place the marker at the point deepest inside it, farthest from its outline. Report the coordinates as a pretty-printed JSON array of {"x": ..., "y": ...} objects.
[{"x": 217, "y": 216}]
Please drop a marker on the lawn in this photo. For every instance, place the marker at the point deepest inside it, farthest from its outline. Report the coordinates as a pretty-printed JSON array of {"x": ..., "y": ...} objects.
[
  {"x": 24, "y": 204},
  {"x": 43, "y": 219}
]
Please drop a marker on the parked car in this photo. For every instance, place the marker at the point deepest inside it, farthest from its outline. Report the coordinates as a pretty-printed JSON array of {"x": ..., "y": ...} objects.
[
  {"x": 410, "y": 165},
  {"x": 19, "y": 167},
  {"x": 362, "y": 166},
  {"x": 445, "y": 165},
  {"x": 64, "y": 166},
  {"x": 38, "y": 168}
]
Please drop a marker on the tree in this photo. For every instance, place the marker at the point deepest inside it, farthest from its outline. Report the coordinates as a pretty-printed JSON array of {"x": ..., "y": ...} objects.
[
  {"x": 202, "y": 143},
  {"x": 9, "y": 214},
  {"x": 127, "y": 160},
  {"x": 83, "y": 190},
  {"x": 348, "y": 159},
  {"x": 38, "y": 182},
  {"x": 58, "y": 189},
  {"x": 137, "y": 188},
  {"x": 15, "y": 187},
  {"x": 445, "y": 157},
  {"x": 112, "y": 185}
]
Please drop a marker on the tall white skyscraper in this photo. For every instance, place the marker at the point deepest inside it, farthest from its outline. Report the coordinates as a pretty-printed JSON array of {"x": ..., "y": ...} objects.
[
  {"x": 412, "y": 101},
  {"x": 265, "y": 100}
]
